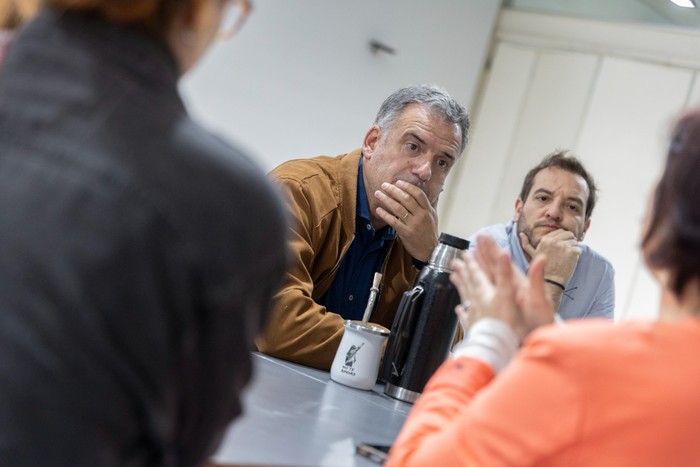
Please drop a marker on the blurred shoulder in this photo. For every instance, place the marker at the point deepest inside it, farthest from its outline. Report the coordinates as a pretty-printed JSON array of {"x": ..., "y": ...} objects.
[{"x": 585, "y": 337}]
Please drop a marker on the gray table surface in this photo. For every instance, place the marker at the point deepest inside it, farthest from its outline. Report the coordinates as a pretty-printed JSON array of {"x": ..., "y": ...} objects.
[{"x": 297, "y": 416}]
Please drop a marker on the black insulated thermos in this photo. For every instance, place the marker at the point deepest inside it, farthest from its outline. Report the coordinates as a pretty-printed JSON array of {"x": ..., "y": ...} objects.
[{"x": 424, "y": 328}]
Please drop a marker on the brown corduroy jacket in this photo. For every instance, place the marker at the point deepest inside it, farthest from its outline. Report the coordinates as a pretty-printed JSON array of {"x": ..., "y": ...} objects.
[{"x": 321, "y": 198}]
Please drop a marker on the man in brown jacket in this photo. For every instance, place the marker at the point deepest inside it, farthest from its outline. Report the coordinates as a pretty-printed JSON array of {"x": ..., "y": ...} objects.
[{"x": 371, "y": 210}]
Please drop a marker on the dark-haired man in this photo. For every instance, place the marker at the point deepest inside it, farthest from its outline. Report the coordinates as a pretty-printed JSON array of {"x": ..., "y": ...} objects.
[{"x": 552, "y": 216}]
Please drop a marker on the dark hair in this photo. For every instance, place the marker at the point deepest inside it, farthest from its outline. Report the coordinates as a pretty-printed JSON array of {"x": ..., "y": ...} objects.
[
  {"x": 433, "y": 97},
  {"x": 564, "y": 160},
  {"x": 672, "y": 239}
]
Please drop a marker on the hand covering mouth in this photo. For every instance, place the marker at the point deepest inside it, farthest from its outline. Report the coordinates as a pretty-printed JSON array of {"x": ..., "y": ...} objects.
[{"x": 420, "y": 184}]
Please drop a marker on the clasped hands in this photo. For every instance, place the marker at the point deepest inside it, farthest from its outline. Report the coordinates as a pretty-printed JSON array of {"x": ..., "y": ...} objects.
[{"x": 494, "y": 287}]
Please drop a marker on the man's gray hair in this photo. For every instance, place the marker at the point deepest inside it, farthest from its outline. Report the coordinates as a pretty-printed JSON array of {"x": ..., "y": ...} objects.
[{"x": 433, "y": 97}]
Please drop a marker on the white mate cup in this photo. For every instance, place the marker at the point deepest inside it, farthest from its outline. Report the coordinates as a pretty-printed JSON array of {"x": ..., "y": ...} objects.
[{"x": 356, "y": 362}]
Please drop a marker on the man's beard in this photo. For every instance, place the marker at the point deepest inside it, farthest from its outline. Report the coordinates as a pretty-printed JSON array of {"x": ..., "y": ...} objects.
[{"x": 522, "y": 226}]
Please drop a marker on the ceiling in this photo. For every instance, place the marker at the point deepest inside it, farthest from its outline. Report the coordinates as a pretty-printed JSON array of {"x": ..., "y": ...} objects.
[{"x": 656, "y": 12}]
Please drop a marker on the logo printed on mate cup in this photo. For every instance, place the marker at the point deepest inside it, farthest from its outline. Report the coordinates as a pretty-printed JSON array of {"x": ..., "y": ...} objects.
[{"x": 350, "y": 359}]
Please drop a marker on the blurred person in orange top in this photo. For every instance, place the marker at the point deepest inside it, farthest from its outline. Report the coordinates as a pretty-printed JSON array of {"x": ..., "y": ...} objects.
[
  {"x": 134, "y": 273},
  {"x": 589, "y": 393}
]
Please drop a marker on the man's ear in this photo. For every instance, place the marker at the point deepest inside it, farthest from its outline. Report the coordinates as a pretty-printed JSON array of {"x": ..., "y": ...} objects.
[
  {"x": 518, "y": 209},
  {"x": 371, "y": 140},
  {"x": 585, "y": 229}
]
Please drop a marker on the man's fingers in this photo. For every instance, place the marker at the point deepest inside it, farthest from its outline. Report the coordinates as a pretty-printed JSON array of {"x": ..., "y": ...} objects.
[
  {"x": 416, "y": 194},
  {"x": 527, "y": 246},
  {"x": 390, "y": 202},
  {"x": 391, "y": 219},
  {"x": 401, "y": 197},
  {"x": 562, "y": 235}
]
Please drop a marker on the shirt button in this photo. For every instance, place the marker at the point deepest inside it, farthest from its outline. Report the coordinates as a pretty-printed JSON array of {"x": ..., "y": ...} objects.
[
  {"x": 350, "y": 297},
  {"x": 369, "y": 226}
]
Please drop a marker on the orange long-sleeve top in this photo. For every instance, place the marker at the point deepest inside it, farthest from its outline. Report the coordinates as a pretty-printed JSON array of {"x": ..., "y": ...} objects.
[{"x": 588, "y": 394}]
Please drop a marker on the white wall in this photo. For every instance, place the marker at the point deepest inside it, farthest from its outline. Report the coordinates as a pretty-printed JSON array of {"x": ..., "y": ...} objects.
[
  {"x": 300, "y": 79},
  {"x": 607, "y": 91}
]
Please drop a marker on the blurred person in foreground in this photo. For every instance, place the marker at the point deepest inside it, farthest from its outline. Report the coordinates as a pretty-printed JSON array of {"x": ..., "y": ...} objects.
[
  {"x": 592, "y": 392},
  {"x": 368, "y": 211},
  {"x": 134, "y": 273}
]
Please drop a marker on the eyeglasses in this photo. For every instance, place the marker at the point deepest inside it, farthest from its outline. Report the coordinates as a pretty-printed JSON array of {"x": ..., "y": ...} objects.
[{"x": 233, "y": 18}]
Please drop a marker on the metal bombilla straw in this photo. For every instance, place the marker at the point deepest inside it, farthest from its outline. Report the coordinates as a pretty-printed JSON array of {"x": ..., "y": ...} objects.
[{"x": 372, "y": 297}]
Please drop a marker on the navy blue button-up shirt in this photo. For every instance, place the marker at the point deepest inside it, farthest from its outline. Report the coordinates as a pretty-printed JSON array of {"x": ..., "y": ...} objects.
[{"x": 349, "y": 293}]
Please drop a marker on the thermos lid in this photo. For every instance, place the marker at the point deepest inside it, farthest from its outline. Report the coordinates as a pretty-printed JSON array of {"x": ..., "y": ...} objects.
[{"x": 453, "y": 241}]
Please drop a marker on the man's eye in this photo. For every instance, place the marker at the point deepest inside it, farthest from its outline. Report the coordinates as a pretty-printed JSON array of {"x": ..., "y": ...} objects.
[
  {"x": 541, "y": 198},
  {"x": 443, "y": 164},
  {"x": 574, "y": 208},
  {"x": 412, "y": 146}
]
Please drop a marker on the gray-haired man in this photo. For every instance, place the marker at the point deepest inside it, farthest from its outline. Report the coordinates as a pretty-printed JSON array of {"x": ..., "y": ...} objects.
[{"x": 371, "y": 210}]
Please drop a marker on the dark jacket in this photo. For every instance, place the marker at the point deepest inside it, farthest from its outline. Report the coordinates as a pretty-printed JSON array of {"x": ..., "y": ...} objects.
[{"x": 133, "y": 271}]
